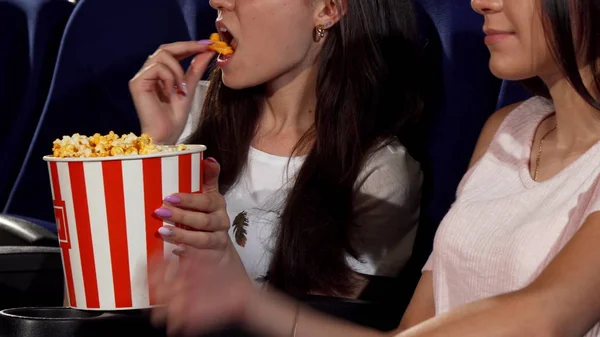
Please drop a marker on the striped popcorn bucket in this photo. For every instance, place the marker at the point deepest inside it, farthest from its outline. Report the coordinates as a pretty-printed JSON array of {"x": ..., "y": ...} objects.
[{"x": 104, "y": 209}]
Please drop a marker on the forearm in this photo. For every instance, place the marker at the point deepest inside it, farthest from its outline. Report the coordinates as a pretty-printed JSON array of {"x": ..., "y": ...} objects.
[
  {"x": 274, "y": 315},
  {"x": 510, "y": 315}
]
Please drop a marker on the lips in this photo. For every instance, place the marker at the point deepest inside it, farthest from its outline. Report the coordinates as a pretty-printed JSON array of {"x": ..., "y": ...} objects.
[
  {"x": 492, "y": 32},
  {"x": 226, "y": 35},
  {"x": 493, "y": 36}
]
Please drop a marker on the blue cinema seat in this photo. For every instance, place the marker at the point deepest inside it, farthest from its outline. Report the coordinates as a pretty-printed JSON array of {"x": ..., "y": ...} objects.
[
  {"x": 105, "y": 44},
  {"x": 30, "y": 33}
]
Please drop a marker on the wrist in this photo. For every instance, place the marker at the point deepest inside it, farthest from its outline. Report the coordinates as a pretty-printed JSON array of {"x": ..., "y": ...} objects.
[
  {"x": 251, "y": 306},
  {"x": 269, "y": 313},
  {"x": 246, "y": 292}
]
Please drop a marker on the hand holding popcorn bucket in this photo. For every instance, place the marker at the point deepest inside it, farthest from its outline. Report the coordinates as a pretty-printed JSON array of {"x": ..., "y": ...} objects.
[{"x": 104, "y": 207}]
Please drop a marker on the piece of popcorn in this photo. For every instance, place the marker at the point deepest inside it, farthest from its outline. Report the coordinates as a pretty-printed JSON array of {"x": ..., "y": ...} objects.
[
  {"x": 110, "y": 144},
  {"x": 130, "y": 138},
  {"x": 131, "y": 151},
  {"x": 95, "y": 139},
  {"x": 117, "y": 151},
  {"x": 86, "y": 153}
]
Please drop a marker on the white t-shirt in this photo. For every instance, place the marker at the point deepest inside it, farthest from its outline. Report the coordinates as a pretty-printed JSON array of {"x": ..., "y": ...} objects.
[{"x": 386, "y": 206}]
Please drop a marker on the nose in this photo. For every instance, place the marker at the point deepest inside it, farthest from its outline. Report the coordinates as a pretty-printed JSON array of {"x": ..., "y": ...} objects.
[
  {"x": 484, "y": 7},
  {"x": 222, "y": 5}
]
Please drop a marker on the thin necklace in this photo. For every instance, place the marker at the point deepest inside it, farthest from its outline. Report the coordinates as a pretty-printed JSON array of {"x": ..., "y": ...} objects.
[{"x": 539, "y": 154}]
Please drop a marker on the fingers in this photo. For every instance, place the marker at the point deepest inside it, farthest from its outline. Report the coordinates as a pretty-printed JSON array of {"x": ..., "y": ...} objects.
[
  {"x": 211, "y": 175},
  {"x": 195, "y": 239},
  {"x": 197, "y": 68},
  {"x": 177, "y": 306},
  {"x": 169, "y": 56},
  {"x": 196, "y": 220},
  {"x": 147, "y": 78},
  {"x": 182, "y": 50},
  {"x": 164, "y": 57},
  {"x": 203, "y": 202},
  {"x": 158, "y": 316},
  {"x": 210, "y": 288},
  {"x": 159, "y": 288},
  {"x": 179, "y": 295},
  {"x": 171, "y": 305},
  {"x": 167, "y": 287}
]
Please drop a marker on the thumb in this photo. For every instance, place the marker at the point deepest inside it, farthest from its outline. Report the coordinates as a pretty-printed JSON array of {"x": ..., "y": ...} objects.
[
  {"x": 211, "y": 175},
  {"x": 196, "y": 69}
]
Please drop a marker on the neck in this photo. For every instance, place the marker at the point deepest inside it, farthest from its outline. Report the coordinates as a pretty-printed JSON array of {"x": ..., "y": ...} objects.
[
  {"x": 290, "y": 102},
  {"x": 578, "y": 122}
]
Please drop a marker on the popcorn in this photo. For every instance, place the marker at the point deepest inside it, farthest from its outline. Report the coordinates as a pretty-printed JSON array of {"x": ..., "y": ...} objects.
[{"x": 78, "y": 146}]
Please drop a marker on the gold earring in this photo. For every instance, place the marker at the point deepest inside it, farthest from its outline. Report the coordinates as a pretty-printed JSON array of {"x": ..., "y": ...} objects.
[{"x": 319, "y": 33}]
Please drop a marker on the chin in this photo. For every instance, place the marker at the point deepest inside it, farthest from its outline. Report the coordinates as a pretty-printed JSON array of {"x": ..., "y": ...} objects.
[
  {"x": 236, "y": 83},
  {"x": 231, "y": 83},
  {"x": 510, "y": 71},
  {"x": 245, "y": 75}
]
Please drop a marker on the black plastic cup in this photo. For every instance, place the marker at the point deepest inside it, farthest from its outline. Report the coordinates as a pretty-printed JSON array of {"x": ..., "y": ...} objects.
[{"x": 66, "y": 322}]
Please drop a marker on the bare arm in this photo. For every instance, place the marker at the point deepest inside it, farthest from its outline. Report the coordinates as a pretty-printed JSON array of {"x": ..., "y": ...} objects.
[
  {"x": 421, "y": 306},
  {"x": 564, "y": 302},
  {"x": 273, "y": 314},
  {"x": 489, "y": 131}
]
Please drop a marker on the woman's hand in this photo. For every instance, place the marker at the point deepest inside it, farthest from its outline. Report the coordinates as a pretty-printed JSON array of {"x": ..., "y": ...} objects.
[
  {"x": 204, "y": 215},
  {"x": 163, "y": 92},
  {"x": 207, "y": 291},
  {"x": 211, "y": 286}
]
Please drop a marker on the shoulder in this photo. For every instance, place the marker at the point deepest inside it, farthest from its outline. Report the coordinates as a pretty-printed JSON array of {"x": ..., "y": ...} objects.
[
  {"x": 386, "y": 210},
  {"x": 201, "y": 90},
  {"x": 199, "y": 97},
  {"x": 490, "y": 129},
  {"x": 521, "y": 111},
  {"x": 195, "y": 111},
  {"x": 390, "y": 170},
  {"x": 392, "y": 159},
  {"x": 203, "y": 86}
]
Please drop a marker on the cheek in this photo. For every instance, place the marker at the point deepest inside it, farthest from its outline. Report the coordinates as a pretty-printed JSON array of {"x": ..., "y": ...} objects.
[
  {"x": 523, "y": 57},
  {"x": 268, "y": 58},
  {"x": 527, "y": 54}
]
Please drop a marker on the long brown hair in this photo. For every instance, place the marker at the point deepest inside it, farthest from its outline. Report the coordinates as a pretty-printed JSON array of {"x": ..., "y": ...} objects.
[
  {"x": 571, "y": 43},
  {"x": 366, "y": 93}
]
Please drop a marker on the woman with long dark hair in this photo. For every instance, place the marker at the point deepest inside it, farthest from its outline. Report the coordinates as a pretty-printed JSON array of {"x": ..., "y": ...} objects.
[
  {"x": 304, "y": 119},
  {"x": 517, "y": 254}
]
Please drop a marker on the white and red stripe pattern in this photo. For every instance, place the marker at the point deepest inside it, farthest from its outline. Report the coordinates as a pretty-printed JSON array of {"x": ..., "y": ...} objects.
[{"x": 107, "y": 229}]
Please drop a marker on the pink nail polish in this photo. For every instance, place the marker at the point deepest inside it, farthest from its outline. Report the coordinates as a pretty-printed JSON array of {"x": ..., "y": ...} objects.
[
  {"x": 205, "y": 42},
  {"x": 173, "y": 199},
  {"x": 211, "y": 159},
  {"x": 165, "y": 231},
  {"x": 179, "y": 250},
  {"x": 163, "y": 213},
  {"x": 184, "y": 88}
]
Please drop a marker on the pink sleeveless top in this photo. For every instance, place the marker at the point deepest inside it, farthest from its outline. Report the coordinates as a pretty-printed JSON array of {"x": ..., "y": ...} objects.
[{"x": 504, "y": 227}]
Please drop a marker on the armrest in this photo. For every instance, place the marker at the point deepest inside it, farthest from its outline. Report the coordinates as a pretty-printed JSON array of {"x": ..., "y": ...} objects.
[
  {"x": 20, "y": 232},
  {"x": 30, "y": 276},
  {"x": 373, "y": 314}
]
